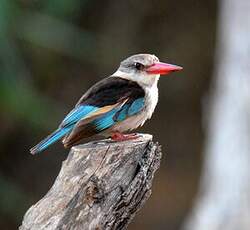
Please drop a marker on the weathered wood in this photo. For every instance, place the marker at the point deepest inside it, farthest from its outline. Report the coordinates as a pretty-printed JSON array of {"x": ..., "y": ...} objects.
[{"x": 101, "y": 185}]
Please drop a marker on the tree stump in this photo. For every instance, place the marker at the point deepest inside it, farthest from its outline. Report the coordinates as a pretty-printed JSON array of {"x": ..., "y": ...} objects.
[{"x": 101, "y": 185}]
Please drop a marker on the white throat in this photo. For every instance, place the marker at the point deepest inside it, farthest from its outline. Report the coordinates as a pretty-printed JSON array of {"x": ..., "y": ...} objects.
[{"x": 143, "y": 79}]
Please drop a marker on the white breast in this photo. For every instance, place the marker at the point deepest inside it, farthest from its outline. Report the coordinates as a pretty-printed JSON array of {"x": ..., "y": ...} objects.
[{"x": 151, "y": 99}]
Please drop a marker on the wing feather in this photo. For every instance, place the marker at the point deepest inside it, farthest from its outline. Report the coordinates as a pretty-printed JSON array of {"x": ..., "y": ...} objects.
[
  {"x": 109, "y": 101},
  {"x": 97, "y": 123}
]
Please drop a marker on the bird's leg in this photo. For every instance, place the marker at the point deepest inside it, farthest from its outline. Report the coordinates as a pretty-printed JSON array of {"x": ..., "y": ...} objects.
[{"x": 117, "y": 136}]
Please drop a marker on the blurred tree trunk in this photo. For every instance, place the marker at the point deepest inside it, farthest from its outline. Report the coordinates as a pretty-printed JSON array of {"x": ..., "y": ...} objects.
[{"x": 224, "y": 197}]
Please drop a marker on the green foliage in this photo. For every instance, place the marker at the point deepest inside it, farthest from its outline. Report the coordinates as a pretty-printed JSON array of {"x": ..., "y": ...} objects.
[
  {"x": 17, "y": 95},
  {"x": 20, "y": 100}
]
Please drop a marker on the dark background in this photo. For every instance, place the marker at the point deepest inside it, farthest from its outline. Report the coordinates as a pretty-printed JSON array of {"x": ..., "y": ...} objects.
[{"x": 52, "y": 51}]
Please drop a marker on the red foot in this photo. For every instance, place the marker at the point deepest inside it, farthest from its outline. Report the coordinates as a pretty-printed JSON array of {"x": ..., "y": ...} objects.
[{"x": 123, "y": 137}]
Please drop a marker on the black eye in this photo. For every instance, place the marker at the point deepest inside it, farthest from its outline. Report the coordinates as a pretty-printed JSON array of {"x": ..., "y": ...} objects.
[{"x": 139, "y": 66}]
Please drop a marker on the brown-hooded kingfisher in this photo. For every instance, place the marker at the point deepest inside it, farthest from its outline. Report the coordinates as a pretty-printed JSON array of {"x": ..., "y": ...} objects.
[{"x": 115, "y": 105}]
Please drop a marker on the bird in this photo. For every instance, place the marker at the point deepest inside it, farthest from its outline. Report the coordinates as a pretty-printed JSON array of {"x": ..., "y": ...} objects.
[{"x": 115, "y": 105}]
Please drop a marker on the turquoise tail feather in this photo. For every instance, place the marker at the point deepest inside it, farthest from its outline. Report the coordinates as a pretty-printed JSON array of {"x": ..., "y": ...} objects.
[{"x": 52, "y": 138}]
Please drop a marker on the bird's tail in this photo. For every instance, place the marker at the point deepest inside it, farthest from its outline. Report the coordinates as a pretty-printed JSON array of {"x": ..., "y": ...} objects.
[{"x": 52, "y": 138}]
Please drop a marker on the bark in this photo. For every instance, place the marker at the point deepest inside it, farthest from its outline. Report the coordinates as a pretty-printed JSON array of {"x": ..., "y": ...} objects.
[
  {"x": 101, "y": 185},
  {"x": 224, "y": 197}
]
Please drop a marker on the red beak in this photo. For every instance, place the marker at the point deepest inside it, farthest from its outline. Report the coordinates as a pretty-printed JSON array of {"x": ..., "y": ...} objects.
[{"x": 162, "y": 68}]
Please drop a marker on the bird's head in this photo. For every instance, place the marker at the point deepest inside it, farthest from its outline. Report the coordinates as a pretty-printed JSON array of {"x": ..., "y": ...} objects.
[{"x": 144, "y": 69}]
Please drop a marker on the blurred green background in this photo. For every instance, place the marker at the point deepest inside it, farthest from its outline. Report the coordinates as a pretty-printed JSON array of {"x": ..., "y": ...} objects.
[{"x": 52, "y": 51}]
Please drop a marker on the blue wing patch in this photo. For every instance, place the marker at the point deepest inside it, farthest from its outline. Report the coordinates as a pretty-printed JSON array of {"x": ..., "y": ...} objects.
[
  {"x": 119, "y": 114},
  {"x": 130, "y": 109},
  {"x": 105, "y": 121},
  {"x": 77, "y": 114},
  {"x": 136, "y": 106}
]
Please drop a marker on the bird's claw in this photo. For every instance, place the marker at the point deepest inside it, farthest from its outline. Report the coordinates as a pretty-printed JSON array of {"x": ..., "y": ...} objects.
[{"x": 117, "y": 136}]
